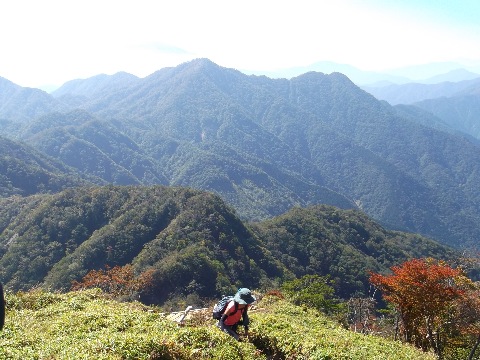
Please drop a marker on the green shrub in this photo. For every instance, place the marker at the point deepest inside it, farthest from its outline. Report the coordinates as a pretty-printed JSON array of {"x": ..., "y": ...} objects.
[{"x": 313, "y": 291}]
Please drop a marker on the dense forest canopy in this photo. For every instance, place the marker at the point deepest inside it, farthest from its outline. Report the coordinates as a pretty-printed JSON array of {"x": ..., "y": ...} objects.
[
  {"x": 191, "y": 241},
  {"x": 264, "y": 145}
]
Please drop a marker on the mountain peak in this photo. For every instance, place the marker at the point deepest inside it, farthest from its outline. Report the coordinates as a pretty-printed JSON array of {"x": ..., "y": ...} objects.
[
  {"x": 202, "y": 62},
  {"x": 95, "y": 84},
  {"x": 334, "y": 76},
  {"x": 200, "y": 65}
]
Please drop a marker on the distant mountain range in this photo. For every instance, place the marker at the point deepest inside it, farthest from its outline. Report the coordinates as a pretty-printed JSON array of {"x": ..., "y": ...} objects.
[
  {"x": 456, "y": 104},
  {"x": 264, "y": 145},
  {"x": 415, "y": 92},
  {"x": 422, "y": 74}
]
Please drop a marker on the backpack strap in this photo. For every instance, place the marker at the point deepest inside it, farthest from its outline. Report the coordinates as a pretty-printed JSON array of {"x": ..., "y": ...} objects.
[
  {"x": 244, "y": 310},
  {"x": 236, "y": 308}
]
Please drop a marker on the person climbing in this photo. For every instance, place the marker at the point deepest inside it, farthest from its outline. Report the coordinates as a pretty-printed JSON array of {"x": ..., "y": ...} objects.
[{"x": 236, "y": 313}]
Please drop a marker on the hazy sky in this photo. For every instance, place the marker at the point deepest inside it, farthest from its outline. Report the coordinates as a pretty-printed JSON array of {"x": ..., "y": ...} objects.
[{"x": 49, "y": 42}]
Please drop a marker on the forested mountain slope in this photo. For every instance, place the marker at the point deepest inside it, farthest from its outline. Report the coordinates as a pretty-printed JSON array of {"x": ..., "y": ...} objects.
[
  {"x": 460, "y": 112},
  {"x": 267, "y": 145},
  {"x": 95, "y": 85},
  {"x": 23, "y": 104},
  {"x": 344, "y": 244},
  {"x": 187, "y": 236},
  {"x": 94, "y": 147},
  {"x": 194, "y": 243},
  {"x": 456, "y": 104},
  {"x": 25, "y": 171}
]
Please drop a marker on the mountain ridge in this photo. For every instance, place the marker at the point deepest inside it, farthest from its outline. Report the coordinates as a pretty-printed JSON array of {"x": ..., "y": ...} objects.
[
  {"x": 194, "y": 243},
  {"x": 423, "y": 73},
  {"x": 26, "y": 171},
  {"x": 266, "y": 145},
  {"x": 416, "y": 92}
]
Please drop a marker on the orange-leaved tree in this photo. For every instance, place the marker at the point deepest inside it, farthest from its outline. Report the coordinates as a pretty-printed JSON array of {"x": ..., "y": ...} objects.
[
  {"x": 469, "y": 318},
  {"x": 118, "y": 281},
  {"x": 425, "y": 292}
]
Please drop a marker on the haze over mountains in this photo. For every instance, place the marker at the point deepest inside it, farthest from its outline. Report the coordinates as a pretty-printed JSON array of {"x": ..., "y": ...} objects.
[
  {"x": 264, "y": 145},
  {"x": 433, "y": 73},
  {"x": 414, "y": 92}
]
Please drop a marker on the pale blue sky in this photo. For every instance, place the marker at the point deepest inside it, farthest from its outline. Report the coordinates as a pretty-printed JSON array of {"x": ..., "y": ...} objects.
[
  {"x": 456, "y": 13},
  {"x": 53, "y": 41}
]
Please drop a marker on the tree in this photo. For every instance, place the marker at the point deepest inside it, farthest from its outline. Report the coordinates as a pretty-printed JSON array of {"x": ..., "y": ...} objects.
[
  {"x": 469, "y": 306},
  {"x": 118, "y": 281},
  {"x": 360, "y": 313},
  {"x": 425, "y": 293},
  {"x": 312, "y": 290},
  {"x": 469, "y": 317}
]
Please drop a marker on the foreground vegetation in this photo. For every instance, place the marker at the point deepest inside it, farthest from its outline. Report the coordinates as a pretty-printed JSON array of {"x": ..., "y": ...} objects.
[{"x": 87, "y": 325}]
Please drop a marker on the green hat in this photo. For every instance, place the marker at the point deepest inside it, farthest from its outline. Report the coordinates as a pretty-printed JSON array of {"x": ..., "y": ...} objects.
[{"x": 244, "y": 296}]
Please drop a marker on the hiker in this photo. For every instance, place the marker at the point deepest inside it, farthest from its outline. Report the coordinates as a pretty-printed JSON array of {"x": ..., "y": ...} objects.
[{"x": 235, "y": 311}]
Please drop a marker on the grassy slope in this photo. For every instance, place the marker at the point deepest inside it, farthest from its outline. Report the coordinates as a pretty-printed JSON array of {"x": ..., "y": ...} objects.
[{"x": 85, "y": 325}]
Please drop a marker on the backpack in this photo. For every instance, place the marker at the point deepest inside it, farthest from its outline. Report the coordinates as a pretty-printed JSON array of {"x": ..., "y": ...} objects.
[{"x": 220, "y": 307}]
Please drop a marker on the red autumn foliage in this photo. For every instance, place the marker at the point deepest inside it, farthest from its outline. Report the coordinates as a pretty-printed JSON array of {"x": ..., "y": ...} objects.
[
  {"x": 425, "y": 293},
  {"x": 469, "y": 317},
  {"x": 118, "y": 281}
]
